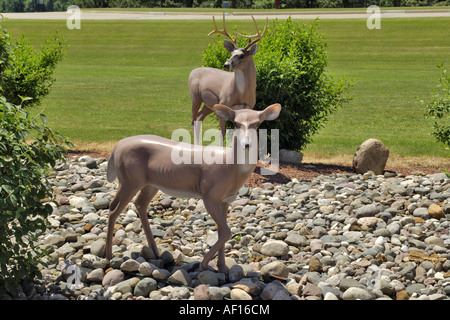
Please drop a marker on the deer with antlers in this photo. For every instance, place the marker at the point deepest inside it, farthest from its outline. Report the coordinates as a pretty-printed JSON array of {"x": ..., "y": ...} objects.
[
  {"x": 146, "y": 163},
  {"x": 236, "y": 89}
]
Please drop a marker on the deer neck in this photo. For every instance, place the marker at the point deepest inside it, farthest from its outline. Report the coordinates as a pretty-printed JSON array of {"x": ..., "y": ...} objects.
[{"x": 245, "y": 79}]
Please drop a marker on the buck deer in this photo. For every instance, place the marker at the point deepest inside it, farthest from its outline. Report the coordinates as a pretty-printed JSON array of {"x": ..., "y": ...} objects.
[
  {"x": 145, "y": 163},
  {"x": 236, "y": 89}
]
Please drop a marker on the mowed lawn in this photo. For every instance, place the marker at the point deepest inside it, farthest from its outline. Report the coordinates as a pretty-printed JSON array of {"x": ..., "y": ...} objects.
[{"x": 122, "y": 78}]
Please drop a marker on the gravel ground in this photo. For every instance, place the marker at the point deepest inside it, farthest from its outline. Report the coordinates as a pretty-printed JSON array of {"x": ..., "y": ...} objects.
[{"x": 327, "y": 234}]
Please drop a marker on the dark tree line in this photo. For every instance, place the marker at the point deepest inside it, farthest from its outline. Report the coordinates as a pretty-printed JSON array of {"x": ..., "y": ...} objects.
[{"x": 61, "y": 5}]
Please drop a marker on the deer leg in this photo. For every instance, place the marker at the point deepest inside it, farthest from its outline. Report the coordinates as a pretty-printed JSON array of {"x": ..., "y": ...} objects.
[
  {"x": 218, "y": 212},
  {"x": 222, "y": 124},
  {"x": 120, "y": 201},
  {"x": 198, "y": 122},
  {"x": 196, "y": 104},
  {"x": 142, "y": 201},
  {"x": 221, "y": 254}
]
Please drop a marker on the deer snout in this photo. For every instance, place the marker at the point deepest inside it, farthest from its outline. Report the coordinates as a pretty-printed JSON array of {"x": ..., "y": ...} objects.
[
  {"x": 246, "y": 142},
  {"x": 227, "y": 65}
]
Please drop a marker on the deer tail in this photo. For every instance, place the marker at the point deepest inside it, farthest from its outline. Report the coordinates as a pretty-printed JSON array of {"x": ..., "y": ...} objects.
[{"x": 111, "y": 170}]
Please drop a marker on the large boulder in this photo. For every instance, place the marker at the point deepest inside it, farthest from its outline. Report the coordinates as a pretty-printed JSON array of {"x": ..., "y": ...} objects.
[
  {"x": 290, "y": 156},
  {"x": 371, "y": 155}
]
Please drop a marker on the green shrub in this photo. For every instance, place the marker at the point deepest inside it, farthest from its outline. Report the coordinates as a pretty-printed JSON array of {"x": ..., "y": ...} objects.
[
  {"x": 28, "y": 147},
  {"x": 28, "y": 72},
  {"x": 439, "y": 109},
  {"x": 290, "y": 70},
  {"x": 23, "y": 166}
]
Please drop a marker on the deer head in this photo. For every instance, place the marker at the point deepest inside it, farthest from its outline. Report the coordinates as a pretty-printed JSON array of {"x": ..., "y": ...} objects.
[
  {"x": 239, "y": 56},
  {"x": 246, "y": 122}
]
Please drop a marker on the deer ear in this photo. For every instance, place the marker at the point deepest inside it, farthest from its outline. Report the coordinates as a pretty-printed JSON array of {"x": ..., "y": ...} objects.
[
  {"x": 270, "y": 113},
  {"x": 253, "y": 49},
  {"x": 223, "y": 112},
  {"x": 229, "y": 45}
]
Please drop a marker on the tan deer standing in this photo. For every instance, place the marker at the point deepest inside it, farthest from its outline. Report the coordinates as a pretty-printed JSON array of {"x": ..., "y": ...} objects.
[
  {"x": 236, "y": 89},
  {"x": 146, "y": 163}
]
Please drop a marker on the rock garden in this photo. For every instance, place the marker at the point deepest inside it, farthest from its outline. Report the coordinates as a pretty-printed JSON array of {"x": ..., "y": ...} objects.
[{"x": 340, "y": 236}]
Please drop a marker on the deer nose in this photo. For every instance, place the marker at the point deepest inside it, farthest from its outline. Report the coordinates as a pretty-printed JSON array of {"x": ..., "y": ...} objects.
[
  {"x": 227, "y": 65},
  {"x": 246, "y": 143}
]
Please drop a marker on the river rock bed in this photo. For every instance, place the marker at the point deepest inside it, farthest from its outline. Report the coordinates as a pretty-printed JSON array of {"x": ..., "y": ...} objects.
[{"x": 333, "y": 237}]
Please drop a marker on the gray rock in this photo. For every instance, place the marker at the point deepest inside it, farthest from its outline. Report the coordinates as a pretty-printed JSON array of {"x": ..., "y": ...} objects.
[
  {"x": 414, "y": 288},
  {"x": 130, "y": 265},
  {"x": 316, "y": 245},
  {"x": 290, "y": 156},
  {"x": 96, "y": 275},
  {"x": 249, "y": 209},
  {"x": 161, "y": 274},
  {"x": 272, "y": 289},
  {"x": 201, "y": 292},
  {"x": 54, "y": 240},
  {"x": 296, "y": 240},
  {"x": 112, "y": 278},
  {"x": 369, "y": 210},
  {"x": 146, "y": 268},
  {"x": 93, "y": 184},
  {"x": 101, "y": 203},
  {"x": 238, "y": 294},
  {"x": 275, "y": 248},
  {"x": 397, "y": 189},
  {"x": 235, "y": 273},
  {"x": 371, "y": 155},
  {"x": 347, "y": 283},
  {"x": 393, "y": 227},
  {"x": 421, "y": 213},
  {"x": 180, "y": 277},
  {"x": 275, "y": 268},
  {"x": 91, "y": 164},
  {"x": 98, "y": 247},
  {"x": 208, "y": 277},
  {"x": 166, "y": 202},
  {"x": 355, "y": 293},
  {"x": 145, "y": 286}
]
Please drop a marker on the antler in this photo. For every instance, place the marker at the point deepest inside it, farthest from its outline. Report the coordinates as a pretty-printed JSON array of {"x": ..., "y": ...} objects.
[
  {"x": 223, "y": 32},
  {"x": 257, "y": 36}
]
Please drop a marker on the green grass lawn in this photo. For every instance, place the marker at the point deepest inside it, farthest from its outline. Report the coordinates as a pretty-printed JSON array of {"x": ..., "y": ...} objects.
[{"x": 122, "y": 78}]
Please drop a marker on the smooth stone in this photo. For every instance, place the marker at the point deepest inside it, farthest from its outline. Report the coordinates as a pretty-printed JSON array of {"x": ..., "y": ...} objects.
[
  {"x": 145, "y": 286},
  {"x": 180, "y": 276},
  {"x": 275, "y": 248},
  {"x": 275, "y": 268},
  {"x": 112, "y": 278},
  {"x": 238, "y": 294},
  {"x": 130, "y": 265},
  {"x": 355, "y": 293},
  {"x": 209, "y": 278},
  {"x": 98, "y": 248},
  {"x": 96, "y": 275}
]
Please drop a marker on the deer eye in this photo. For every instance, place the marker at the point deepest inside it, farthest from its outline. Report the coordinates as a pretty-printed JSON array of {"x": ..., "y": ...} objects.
[{"x": 241, "y": 56}]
